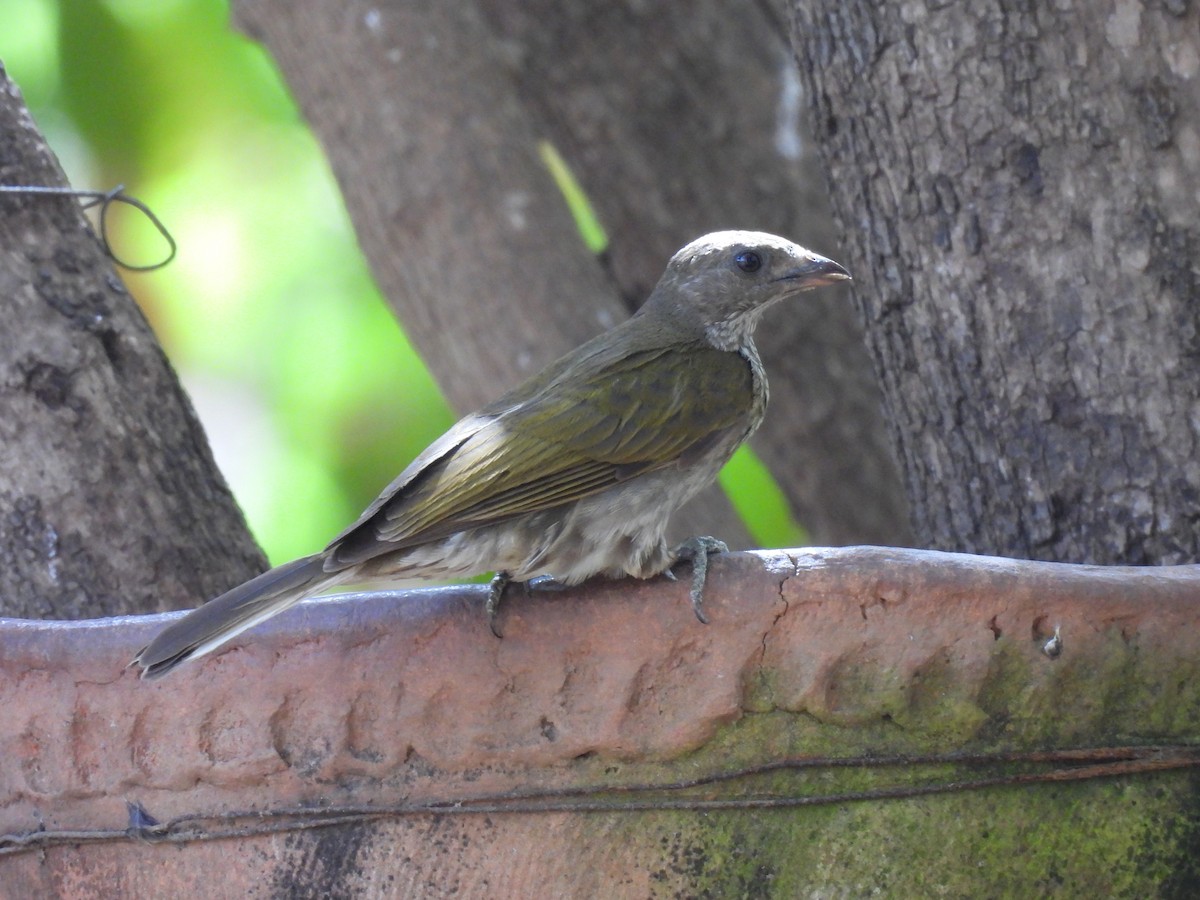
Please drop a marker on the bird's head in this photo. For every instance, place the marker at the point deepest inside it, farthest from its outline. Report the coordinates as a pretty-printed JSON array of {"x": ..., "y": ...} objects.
[{"x": 721, "y": 283}]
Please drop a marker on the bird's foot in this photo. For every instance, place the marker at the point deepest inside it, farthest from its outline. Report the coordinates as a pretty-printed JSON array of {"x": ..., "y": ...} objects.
[
  {"x": 696, "y": 550},
  {"x": 495, "y": 595},
  {"x": 500, "y": 583}
]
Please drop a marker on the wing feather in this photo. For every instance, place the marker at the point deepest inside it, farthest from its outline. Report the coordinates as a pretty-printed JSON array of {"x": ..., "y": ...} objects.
[{"x": 576, "y": 436}]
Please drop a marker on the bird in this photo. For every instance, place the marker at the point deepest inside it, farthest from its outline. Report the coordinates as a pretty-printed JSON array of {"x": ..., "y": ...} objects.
[{"x": 575, "y": 472}]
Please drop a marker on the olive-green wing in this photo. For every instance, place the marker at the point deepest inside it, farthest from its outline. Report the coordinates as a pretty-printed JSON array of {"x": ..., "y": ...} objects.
[
  {"x": 574, "y": 438},
  {"x": 429, "y": 458}
]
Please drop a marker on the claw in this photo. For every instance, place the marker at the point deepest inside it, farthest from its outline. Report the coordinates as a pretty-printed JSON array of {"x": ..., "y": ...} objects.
[
  {"x": 696, "y": 550},
  {"x": 543, "y": 583},
  {"x": 495, "y": 594}
]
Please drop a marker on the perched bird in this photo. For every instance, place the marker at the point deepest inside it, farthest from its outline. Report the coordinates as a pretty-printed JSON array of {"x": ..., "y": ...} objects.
[{"x": 573, "y": 473}]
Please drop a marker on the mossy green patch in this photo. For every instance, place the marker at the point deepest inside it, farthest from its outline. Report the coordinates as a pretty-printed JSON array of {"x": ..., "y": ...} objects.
[
  {"x": 1136, "y": 835},
  {"x": 1128, "y": 837}
]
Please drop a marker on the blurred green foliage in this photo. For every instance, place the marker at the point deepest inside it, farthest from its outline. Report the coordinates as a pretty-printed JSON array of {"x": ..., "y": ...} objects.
[
  {"x": 586, "y": 220},
  {"x": 310, "y": 393}
]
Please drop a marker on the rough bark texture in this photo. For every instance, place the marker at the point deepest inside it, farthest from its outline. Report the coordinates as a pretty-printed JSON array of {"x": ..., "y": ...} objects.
[
  {"x": 859, "y": 653},
  {"x": 1019, "y": 185},
  {"x": 109, "y": 498},
  {"x": 431, "y": 118}
]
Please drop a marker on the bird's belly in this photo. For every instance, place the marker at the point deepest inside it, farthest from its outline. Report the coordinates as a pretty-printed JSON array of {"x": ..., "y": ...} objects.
[{"x": 620, "y": 531}]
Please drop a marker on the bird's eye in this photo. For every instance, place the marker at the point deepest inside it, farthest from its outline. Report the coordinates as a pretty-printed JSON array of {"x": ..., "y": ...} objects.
[{"x": 748, "y": 261}]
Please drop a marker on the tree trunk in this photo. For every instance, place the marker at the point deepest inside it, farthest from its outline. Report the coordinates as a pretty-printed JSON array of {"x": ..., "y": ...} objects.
[
  {"x": 1019, "y": 185},
  {"x": 109, "y": 499},
  {"x": 432, "y": 130}
]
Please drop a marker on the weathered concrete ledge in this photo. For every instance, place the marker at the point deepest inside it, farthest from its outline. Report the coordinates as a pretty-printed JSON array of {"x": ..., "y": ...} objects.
[{"x": 398, "y": 697}]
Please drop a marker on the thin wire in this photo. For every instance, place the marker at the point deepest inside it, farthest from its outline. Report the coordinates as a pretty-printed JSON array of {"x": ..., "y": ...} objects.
[
  {"x": 1082, "y": 764},
  {"x": 105, "y": 200}
]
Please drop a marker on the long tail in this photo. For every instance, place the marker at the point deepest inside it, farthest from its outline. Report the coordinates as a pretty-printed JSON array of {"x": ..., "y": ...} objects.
[{"x": 208, "y": 627}]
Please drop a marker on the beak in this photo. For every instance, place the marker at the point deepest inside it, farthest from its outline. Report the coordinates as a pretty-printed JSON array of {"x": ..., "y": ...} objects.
[{"x": 816, "y": 272}]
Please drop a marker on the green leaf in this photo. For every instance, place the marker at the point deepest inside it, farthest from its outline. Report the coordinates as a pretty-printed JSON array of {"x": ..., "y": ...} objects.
[{"x": 586, "y": 221}]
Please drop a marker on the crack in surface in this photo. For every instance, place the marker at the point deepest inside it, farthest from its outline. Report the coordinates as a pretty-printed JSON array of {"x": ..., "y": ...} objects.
[{"x": 783, "y": 612}]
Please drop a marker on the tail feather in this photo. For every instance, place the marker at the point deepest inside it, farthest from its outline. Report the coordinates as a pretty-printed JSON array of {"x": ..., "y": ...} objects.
[{"x": 224, "y": 617}]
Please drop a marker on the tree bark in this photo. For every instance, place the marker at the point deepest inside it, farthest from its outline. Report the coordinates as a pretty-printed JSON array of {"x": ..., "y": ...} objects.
[
  {"x": 1019, "y": 186},
  {"x": 109, "y": 498},
  {"x": 432, "y": 125}
]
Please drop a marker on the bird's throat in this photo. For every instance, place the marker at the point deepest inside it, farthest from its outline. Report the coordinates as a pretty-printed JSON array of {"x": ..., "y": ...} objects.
[{"x": 736, "y": 332}]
